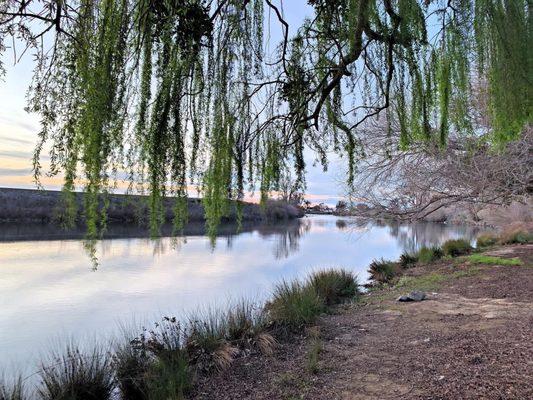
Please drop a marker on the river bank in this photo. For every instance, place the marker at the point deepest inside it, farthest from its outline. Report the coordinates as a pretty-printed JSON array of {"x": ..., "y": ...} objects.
[{"x": 471, "y": 338}]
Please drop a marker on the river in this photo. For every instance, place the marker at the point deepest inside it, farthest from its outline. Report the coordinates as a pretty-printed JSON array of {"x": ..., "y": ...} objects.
[{"x": 50, "y": 291}]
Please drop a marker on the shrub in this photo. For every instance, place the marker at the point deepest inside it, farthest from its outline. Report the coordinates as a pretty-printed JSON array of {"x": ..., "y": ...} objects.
[
  {"x": 77, "y": 376},
  {"x": 294, "y": 305},
  {"x": 13, "y": 391},
  {"x": 429, "y": 254},
  {"x": 407, "y": 260},
  {"x": 486, "y": 240},
  {"x": 517, "y": 233},
  {"x": 334, "y": 286},
  {"x": 382, "y": 271},
  {"x": 456, "y": 247}
]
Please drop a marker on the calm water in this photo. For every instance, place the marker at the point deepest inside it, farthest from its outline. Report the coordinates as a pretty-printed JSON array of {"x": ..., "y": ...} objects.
[{"x": 49, "y": 292}]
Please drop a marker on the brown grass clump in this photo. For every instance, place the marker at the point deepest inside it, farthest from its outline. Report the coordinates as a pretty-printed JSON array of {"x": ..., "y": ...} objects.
[
  {"x": 266, "y": 343},
  {"x": 518, "y": 232},
  {"x": 224, "y": 356}
]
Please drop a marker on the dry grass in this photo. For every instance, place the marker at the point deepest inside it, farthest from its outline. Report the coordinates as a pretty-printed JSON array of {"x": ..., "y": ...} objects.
[{"x": 518, "y": 232}]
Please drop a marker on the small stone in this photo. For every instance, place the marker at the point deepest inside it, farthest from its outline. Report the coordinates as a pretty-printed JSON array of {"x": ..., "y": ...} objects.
[{"x": 413, "y": 296}]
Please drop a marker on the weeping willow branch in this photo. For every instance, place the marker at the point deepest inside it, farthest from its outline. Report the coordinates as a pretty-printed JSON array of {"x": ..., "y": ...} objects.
[{"x": 173, "y": 94}]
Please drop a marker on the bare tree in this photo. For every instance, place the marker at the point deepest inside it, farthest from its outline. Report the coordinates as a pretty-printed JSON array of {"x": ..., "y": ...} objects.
[{"x": 413, "y": 184}]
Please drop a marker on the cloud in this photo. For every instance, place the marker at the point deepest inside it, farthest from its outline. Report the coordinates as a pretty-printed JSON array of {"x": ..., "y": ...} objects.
[
  {"x": 16, "y": 154},
  {"x": 15, "y": 171},
  {"x": 5, "y": 138},
  {"x": 21, "y": 122}
]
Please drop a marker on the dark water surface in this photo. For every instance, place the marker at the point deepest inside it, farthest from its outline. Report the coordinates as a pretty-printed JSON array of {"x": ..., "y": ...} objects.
[{"x": 49, "y": 292}]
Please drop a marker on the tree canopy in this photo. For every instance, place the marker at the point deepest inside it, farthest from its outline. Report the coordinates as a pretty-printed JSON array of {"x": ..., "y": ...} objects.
[{"x": 185, "y": 92}]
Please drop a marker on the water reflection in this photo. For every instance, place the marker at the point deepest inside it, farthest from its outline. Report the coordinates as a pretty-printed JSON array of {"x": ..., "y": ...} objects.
[
  {"x": 410, "y": 237},
  {"x": 48, "y": 288}
]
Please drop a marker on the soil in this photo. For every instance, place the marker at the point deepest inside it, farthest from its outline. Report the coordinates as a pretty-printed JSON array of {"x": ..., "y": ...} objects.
[{"x": 471, "y": 339}]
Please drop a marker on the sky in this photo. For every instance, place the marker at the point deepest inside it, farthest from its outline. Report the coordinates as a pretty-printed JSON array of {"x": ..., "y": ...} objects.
[{"x": 19, "y": 129}]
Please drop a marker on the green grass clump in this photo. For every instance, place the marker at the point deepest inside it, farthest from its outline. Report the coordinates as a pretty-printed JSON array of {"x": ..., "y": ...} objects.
[
  {"x": 407, "y": 259},
  {"x": 334, "y": 286},
  {"x": 429, "y": 254},
  {"x": 486, "y": 240},
  {"x": 214, "y": 339},
  {"x": 424, "y": 282},
  {"x": 170, "y": 377},
  {"x": 12, "y": 391},
  {"x": 294, "y": 305},
  {"x": 77, "y": 376},
  {"x": 132, "y": 366},
  {"x": 155, "y": 365},
  {"x": 483, "y": 259},
  {"x": 382, "y": 271},
  {"x": 243, "y": 321},
  {"x": 466, "y": 273},
  {"x": 456, "y": 247},
  {"x": 206, "y": 332}
]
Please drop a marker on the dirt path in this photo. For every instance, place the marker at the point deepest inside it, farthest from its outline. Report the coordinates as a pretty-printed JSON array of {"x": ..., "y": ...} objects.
[{"x": 472, "y": 339}]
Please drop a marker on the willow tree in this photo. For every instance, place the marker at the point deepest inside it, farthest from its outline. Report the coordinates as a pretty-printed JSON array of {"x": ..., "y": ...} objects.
[{"x": 178, "y": 93}]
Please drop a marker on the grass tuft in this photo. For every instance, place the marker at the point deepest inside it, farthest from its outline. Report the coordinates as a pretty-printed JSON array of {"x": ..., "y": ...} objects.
[
  {"x": 382, "y": 271},
  {"x": 486, "y": 240},
  {"x": 429, "y": 254},
  {"x": 294, "y": 305},
  {"x": 483, "y": 259},
  {"x": 456, "y": 247},
  {"x": 132, "y": 366},
  {"x": 77, "y": 376},
  {"x": 334, "y": 286},
  {"x": 407, "y": 260},
  {"x": 12, "y": 391},
  {"x": 169, "y": 378}
]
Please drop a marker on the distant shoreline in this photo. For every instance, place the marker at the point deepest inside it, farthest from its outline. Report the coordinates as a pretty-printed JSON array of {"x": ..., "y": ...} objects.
[{"x": 44, "y": 207}]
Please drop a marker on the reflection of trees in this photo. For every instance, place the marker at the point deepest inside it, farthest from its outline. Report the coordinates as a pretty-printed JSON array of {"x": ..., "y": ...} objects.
[
  {"x": 412, "y": 237},
  {"x": 341, "y": 224},
  {"x": 287, "y": 236}
]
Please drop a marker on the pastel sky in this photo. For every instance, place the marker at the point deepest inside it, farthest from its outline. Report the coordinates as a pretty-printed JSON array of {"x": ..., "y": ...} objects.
[{"x": 19, "y": 129}]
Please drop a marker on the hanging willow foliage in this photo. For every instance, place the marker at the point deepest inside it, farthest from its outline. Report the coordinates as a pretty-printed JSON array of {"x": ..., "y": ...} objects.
[{"x": 178, "y": 93}]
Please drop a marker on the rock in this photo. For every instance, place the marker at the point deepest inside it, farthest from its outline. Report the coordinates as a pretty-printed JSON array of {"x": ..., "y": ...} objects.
[{"x": 413, "y": 296}]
